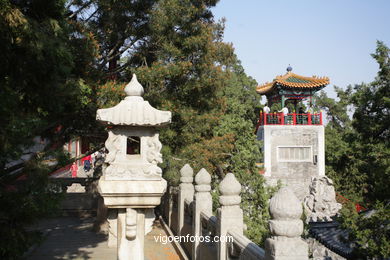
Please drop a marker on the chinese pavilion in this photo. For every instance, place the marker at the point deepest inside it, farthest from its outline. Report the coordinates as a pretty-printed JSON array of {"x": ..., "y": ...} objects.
[
  {"x": 291, "y": 87},
  {"x": 293, "y": 142}
]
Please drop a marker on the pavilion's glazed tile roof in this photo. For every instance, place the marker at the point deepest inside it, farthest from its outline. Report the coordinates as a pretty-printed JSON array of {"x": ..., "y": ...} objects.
[
  {"x": 332, "y": 236},
  {"x": 292, "y": 80}
]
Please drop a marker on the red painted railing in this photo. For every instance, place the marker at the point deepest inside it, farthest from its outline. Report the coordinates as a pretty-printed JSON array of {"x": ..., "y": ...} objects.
[{"x": 289, "y": 119}]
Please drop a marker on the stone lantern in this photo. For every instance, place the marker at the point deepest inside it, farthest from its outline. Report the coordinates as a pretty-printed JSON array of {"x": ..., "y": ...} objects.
[{"x": 132, "y": 181}]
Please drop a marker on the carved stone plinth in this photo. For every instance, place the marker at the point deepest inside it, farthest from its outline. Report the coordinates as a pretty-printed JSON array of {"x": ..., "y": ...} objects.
[
  {"x": 133, "y": 199},
  {"x": 286, "y": 249},
  {"x": 132, "y": 194}
]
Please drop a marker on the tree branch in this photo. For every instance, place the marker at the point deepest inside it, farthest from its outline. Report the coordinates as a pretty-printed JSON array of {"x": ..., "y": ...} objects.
[{"x": 80, "y": 9}]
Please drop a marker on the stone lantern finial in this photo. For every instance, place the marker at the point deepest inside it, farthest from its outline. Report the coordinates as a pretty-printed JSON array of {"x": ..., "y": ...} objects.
[{"x": 134, "y": 88}]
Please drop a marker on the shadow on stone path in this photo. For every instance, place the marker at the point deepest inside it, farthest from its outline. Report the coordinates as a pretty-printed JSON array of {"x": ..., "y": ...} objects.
[{"x": 73, "y": 238}]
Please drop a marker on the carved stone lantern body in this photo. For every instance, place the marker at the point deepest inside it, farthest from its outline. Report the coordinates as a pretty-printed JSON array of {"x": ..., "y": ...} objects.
[{"x": 132, "y": 180}]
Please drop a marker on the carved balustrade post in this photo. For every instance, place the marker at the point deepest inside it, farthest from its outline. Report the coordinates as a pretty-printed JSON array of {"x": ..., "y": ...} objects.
[
  {"x": 286, "y": 228},
  {"x": 230, "y": 215},
  {"x": 186, "y": 191},
  {"x": 202, "y": 203}
]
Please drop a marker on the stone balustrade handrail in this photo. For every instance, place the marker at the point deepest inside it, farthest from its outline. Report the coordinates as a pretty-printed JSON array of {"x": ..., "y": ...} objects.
[
  {"x": 187, "y": 202},
  {"x": 195, "y": 207},
  {"x": 188, "y": 207},
  {"x": 244, "y": 248},
  {"x": 209, "y": 223},
  {"x": 205, "y": 215}
]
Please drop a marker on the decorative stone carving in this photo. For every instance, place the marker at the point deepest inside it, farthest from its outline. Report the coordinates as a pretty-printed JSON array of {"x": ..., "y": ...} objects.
[
  {"x": 132, "y": 181},
  {"x": 135, "y": 112},
  {"x": 203, "y": 177},
  {"x": 286, "y": 228},
  {"x": 113, "y": 145},
  {"x": 284, "y": 205},
  {"x": 122, "y": 166},
  {"x": 230, "y": 190},
  {"x": 186, "y": 174},
  {"x": 321, "y": 204},
  {"x": 75, "y": 188},
  {"x": 131, "y": 223},
  {"x": 134, "y": 88},
  {"x": 202, "y": 180},
  {"x": 153, "y": 155}
]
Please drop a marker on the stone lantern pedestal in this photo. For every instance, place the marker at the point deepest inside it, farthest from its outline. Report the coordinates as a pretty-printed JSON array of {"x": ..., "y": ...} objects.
[
  {"x": 131, "y": 198},
  {"x": 131, "y": 181}
]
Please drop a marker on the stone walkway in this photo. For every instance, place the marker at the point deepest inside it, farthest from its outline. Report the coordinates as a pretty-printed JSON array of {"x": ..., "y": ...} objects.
[{"x": 73, "y": 238}]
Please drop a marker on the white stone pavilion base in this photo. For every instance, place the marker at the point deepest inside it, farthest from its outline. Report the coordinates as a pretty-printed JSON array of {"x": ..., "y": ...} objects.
[{"x": 133, "y": 199}]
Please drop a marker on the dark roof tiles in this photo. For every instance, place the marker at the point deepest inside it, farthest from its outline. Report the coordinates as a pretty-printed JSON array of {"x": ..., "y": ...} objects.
[{"x": 332, "y": 236}]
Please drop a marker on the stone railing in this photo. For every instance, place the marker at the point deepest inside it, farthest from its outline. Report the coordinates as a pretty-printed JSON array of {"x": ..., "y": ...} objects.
[
  {"x": 243, "y": 248},
  {"x": 194, "y": 218},
  {"x": 80, "y": 198}
]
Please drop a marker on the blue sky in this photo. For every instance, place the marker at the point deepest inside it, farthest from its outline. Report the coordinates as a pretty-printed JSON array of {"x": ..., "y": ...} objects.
[{"x": 331, "y": 38}]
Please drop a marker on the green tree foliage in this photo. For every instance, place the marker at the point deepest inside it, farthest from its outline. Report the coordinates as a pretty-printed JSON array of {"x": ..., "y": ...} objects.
[
  {"x": 65, "y": 59},
  {"x": 369, "y": 231},
  {"x": 118, "y": 28},
  {"x": 339, "y": 160},
  {"x": 371, "y": 120},
  {"x": 357, "y": 156},
  {"x": 40, "y": 78},
  {"x": 238, "y": 120},
  {"x": 190, "y": 71},
  {"x": 40, "y": 90},
  {"x": 23, "y": 205}
]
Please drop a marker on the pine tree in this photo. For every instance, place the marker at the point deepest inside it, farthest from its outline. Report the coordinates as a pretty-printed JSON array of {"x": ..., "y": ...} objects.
[
  {"x": 372, "y": 152},
  {"x": 190, "y": 71},
  {"x": 357, "y": 157},
  {"x": 40, "y": 90}
]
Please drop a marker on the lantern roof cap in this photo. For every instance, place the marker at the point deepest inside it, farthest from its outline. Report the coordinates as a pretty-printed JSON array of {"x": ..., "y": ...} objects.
[{"x": 133, "y": 110}]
